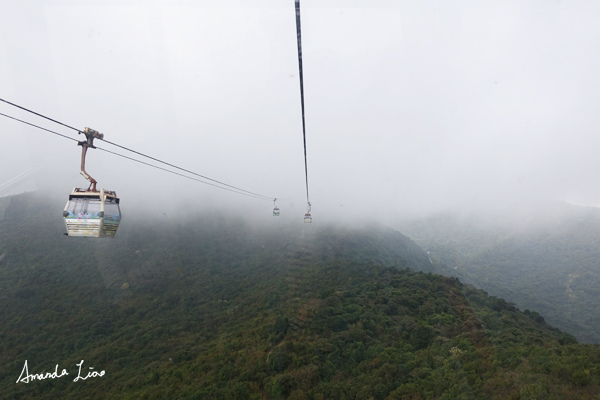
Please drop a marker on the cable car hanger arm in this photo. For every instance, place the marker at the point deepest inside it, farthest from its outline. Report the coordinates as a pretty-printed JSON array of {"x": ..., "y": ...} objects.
[{"x": 90, "y": 134}]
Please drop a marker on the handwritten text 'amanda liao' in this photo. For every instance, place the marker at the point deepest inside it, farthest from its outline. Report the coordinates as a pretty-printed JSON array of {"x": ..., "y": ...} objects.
[{"x": 26, "y": 377}]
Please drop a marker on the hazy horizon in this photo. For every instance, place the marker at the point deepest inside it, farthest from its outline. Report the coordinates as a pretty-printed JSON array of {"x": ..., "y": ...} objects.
[{"x": 411, "y": 108}]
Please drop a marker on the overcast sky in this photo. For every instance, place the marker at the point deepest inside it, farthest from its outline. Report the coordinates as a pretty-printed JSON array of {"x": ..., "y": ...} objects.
[{"x": 410, "y": 105}]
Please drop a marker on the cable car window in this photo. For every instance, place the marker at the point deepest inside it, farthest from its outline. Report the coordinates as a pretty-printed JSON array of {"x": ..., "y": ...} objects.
[
  {"x": 112, "y": 211},
  {"x": 84, "y": 208}
]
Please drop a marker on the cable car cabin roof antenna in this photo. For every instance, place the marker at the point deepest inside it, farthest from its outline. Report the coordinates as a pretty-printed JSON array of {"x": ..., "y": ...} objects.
[{"x": 91, "y": 212}]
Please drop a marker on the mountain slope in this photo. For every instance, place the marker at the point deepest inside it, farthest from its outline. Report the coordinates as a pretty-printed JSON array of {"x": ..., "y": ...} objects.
[
  {"x": 218, "y": 307},
  {"x": 549, "y": 262}
]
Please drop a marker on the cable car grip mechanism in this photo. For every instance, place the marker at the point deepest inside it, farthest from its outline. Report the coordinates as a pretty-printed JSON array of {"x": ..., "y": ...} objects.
[{"x": 90, "y": 134}]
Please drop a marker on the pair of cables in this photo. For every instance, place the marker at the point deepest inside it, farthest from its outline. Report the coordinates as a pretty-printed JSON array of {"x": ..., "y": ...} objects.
[
  {"x": 301, "y": 75},
  {"x": 206, "y": 180}
]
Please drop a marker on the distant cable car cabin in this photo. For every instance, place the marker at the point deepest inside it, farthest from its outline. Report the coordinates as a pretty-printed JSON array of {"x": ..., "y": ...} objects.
[
  {"x": 307, "y": 216},
  {"x": 275, "y": 209},
  {"x": 90, "y": 212}
]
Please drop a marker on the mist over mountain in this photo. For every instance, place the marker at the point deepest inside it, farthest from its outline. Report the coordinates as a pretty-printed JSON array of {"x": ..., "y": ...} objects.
[
  {"x": 149, "y": 240},
  {"x": 543, "y": 257},
  {"x": 220, "y": 306}
]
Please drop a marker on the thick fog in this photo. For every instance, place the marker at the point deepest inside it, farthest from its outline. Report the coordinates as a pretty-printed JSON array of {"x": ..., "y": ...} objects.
[{"x": 411, "y": 106}]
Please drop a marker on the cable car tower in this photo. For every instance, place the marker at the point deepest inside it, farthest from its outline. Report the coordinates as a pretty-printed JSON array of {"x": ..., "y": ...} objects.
[{"x": 91, "y": 212}]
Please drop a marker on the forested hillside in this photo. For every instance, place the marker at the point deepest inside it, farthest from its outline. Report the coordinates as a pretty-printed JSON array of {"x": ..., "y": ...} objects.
[
  {"x": 218, "y": 307},
  {"x": 548, "y": 260}
]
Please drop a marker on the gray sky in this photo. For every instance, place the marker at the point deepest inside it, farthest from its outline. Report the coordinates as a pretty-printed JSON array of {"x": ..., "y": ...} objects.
[{"x": 410, "y": 105}]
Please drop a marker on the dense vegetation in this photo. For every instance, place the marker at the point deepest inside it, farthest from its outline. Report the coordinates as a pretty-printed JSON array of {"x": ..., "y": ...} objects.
[
  {"x": 547, "y": 261},
  {"x": 218, "y": 308}
]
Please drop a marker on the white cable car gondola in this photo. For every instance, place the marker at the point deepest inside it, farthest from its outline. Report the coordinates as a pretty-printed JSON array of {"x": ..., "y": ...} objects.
[
  {"x": 307, "y": 216},
  {"x": 92, "y": 213},
  {"x": 276, "y": 209},
  {"x": 89, "y": 212}
]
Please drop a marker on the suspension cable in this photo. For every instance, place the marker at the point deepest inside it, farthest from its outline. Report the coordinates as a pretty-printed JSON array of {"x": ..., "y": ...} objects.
[
  {"x": 177, "y": 173},
  {"x": 39, "y": 115},
  {"x": 190, "y": 172},
  {"x": 233, "y": 189},
  {"x": 39, "y": 127},
  {"x": 298, "y": 32}
]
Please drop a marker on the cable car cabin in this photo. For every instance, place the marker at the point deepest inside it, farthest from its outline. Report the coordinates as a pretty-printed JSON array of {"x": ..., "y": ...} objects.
[
  {"x": 307, "y": 218},
  {"x": 276, "y": 212},
  {"x": 92, "y": 214}
]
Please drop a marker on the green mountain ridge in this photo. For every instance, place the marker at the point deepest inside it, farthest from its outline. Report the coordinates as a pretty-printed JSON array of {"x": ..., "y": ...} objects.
[
  {"x": 548, "y": 262},
  {"x": 218, "y": 307}
]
